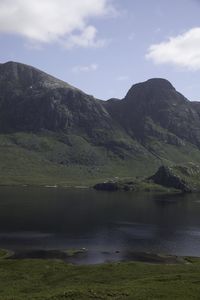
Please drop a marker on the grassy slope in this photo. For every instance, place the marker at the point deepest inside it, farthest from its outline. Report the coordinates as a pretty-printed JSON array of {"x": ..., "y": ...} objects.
[
  {"x": 71, "y": 160},
  {"x": 190, "y": 173},
  {"x": 39, "y": 279},
  {"x": 47, "y": 160}
]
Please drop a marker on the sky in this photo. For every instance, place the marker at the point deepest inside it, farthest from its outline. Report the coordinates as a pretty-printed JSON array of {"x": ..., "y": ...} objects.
[{"x": 105, "y": 46}]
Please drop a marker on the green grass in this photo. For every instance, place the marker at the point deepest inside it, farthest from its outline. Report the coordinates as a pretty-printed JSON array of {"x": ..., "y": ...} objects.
[
  {"x": 74, "y": 252},
  {"x": 190, "y": 173},
  {"x": 54, "y": 280},
  {"x": 70, "y": 160},
  {"x": 148, "y": 186},
  {"x": 3, "y": 253},
  {"x": 29, "y": 159}
]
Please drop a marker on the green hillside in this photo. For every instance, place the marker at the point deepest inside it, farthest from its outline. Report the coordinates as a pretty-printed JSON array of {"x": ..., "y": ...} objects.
[{"x": 54, "y": 134}]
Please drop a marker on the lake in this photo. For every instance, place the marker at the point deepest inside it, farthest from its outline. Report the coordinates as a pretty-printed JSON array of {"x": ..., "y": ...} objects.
[{"x": 108, "y": 225}]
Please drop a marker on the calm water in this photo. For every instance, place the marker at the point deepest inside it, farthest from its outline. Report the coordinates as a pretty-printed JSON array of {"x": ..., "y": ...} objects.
[{"x": 109, "y": 225}]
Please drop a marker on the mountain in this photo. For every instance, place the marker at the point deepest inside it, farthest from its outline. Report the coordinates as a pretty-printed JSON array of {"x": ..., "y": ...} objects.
[
  {"x": 53, "y": 133},
  {"x": 32, "y": 100},
  {"x": 155, "y": 109}
]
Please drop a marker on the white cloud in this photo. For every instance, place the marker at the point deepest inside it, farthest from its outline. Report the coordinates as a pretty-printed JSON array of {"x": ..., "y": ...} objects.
[
  {"x": 89, "y": 68},
  {"x": 87, "y": 38},
  {"x": 182, "y": 50},
  {"x": 46, "y": 21}
]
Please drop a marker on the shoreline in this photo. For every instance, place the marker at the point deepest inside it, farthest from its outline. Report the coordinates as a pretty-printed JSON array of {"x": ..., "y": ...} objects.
[
  {"x": 54, "y": 279},
  {"x": 81, "y": 256},
  {"x": 162, "y": 189}
]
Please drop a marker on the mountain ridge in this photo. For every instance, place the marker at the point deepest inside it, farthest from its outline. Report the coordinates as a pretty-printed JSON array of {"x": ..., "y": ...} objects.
[
  {"x": 51, "y": 123},
  {"x": 15, "y": 67}
]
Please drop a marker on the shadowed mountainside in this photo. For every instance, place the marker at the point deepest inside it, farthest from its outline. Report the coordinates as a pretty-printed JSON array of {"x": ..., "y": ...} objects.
[{"x": 53, "y": 133}]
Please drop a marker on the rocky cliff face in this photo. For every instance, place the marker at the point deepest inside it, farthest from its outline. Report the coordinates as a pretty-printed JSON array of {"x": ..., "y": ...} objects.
[
  {"x": 155, "y": 108},
  {"x": 31, "y": 100},
  {"x": 153, "y": 123},
  {"x": 165, "y": 176}
]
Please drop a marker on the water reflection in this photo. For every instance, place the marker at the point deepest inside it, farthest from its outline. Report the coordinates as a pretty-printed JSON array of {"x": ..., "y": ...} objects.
[{"x": 102, "y": 222}]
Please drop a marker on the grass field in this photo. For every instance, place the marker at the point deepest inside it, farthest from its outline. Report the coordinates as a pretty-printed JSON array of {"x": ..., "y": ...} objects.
[
  {"x": 55, "y": 280},
  {"x": 68, "y": 160},
  {"x": 37, "y": 160}
]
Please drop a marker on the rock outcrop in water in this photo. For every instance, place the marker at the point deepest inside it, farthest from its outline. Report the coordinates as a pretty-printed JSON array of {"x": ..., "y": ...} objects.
[
  {"x": 184, "y": 178},
  {"x": 166, "y": 177},
  {"x": 115, "y": 186}
]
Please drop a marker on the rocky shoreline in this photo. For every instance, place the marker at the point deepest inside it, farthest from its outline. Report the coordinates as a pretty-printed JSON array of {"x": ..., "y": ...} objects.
[
  {"x": 178, "y": 178},
  {"x": 77, "y": 256}
]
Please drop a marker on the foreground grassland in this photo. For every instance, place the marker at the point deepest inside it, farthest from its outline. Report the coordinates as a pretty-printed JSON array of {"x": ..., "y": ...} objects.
[{"x": 55, "y": 280}]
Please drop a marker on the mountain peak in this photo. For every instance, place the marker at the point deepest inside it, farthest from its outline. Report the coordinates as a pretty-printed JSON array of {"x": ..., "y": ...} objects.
[
  {"x": 159, "y": 83},
  {"x": 26, "y": 76},
  {"x": 155, "y": 90},
  {"x": 151, "y": 85}
]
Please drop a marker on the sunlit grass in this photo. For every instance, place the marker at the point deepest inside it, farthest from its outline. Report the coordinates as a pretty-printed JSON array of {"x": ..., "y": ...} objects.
[{"x": 45, "y": 279}]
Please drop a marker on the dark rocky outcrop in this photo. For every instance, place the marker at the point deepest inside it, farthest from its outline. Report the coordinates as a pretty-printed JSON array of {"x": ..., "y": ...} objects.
[
  {"x": 114, "y": 186},
  {"x": 177, "y": 178},
  {"x": 166, "y": 177},
  {"x": 106, "y": 186},
  {"x": 31, "y": 100}
]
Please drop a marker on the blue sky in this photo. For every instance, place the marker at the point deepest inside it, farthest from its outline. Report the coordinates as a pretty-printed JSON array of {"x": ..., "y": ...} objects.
[{"x": 102, "y": 46}]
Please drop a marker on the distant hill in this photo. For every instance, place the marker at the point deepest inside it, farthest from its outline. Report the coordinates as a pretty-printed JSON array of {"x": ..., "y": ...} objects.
[{"x": 53, "y": 133}]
